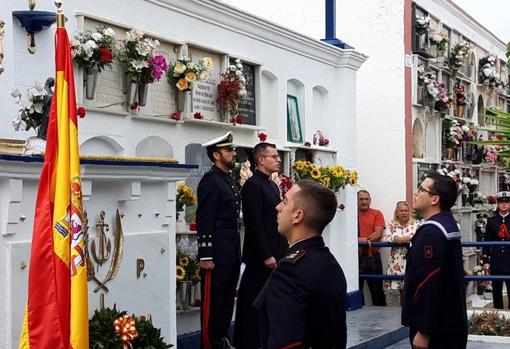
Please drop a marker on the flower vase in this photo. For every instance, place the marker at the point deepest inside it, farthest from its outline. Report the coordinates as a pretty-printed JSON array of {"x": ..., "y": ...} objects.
[
  {"x": 459, "y": 111},
  {"x": 180, "y": 100},
  {"x": 180, "y": 224},
  {"x": 190, "y": 297},
  {"x": 131, "y": 92},
  {"x": 182, "y": 294},
  {"x": 464, "y": 198},
  {"x": 90, "y": 82},
  {"x": 143, "y": 90}
]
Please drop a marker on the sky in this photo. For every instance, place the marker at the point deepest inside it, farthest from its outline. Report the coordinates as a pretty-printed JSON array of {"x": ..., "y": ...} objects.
[{"x": 492, "y": 14}]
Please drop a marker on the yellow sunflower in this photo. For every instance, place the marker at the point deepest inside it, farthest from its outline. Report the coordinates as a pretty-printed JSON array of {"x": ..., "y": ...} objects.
[
  {"x": 181, "y": 273},
  {"x": 325, "y": 181},
  {"x": 299, "y": 165},
  {"x": 315, "y": 173},
  {"x": 184, "y": 262}
]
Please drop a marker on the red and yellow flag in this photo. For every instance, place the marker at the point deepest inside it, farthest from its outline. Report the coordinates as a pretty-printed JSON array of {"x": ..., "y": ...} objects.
[{"x": 56, "y": 315}]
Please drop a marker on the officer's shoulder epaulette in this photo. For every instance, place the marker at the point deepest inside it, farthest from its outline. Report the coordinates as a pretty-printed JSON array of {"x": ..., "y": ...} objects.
[{"x": 293, "y": 257}]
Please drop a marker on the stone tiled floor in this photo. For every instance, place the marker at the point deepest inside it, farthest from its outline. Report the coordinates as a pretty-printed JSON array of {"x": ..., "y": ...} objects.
[
  {"x": 404, "y": 344},
  {"x": 371, "y": 323}
]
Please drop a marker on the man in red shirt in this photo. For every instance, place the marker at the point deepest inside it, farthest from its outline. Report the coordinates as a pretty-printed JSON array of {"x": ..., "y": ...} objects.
[{"x": 370, "y": 228}]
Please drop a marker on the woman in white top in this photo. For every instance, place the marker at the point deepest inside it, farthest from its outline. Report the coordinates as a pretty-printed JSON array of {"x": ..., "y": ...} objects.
[{"x": 400, "y": 230}]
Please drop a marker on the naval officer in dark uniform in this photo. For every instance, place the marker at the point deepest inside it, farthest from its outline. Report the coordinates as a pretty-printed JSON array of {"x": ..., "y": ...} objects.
[
  {"x": 302, "y": 305},
  {"x": 498, "y": 229},
  {"x": 219, "y": 248},
  {"x": 263, "y": 246},
  {"x": 434, "y": 303}
]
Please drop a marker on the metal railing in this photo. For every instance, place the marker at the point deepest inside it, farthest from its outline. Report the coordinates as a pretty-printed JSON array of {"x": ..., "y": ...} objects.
[{"x": 483, "y": 244}]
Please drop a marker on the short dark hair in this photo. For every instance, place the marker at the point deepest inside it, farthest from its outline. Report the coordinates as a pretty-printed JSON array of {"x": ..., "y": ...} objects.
[
  {"x": 318, "y": 202},
  {"x": 445, "y": 187},
  {"x": 259, "y": 149},
  {"x": 363, "y": 191}
]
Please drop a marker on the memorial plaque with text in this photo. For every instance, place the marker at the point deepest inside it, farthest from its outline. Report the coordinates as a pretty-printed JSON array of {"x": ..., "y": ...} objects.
[
  {"x": 247, "y": 108},
  {"x": 205, "y": 93}
]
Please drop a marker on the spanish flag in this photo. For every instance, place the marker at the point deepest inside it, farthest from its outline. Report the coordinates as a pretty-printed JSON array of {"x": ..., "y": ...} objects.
[{"x": 56, "y": 314}]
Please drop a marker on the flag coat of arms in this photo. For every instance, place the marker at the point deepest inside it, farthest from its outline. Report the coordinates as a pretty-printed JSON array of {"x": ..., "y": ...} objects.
[{"x": 56, "y": 314}]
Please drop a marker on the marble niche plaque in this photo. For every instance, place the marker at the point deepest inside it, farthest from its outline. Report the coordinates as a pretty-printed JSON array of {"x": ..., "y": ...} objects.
[
  {"x": 247, "y": 105},
  {"x": 205, "y": 93}
]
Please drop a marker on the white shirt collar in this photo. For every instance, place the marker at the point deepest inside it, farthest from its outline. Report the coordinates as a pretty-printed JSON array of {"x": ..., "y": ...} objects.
[{"x": 504, "y": 216}]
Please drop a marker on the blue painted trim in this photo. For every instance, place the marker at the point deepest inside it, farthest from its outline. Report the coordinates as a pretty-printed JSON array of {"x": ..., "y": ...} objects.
[
  {"x": 354, "y": 300},
  {"x": 336, "y": 42},
  {"x": 35, "y": 21},
  {"x": 102, "y": 162},
  {"x": 330, "y": 18}
]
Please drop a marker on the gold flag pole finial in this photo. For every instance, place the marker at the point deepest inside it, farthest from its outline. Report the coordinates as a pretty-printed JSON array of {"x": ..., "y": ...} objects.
[{"x": 61, "y": 19}]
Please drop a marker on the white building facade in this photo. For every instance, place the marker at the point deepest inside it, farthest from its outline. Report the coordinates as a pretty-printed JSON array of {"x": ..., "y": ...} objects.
[{"x": 322, "y": 78}]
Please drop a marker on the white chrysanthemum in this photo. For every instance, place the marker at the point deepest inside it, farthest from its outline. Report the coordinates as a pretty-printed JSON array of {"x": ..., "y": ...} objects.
[
  {"x": 139, "y": 65},
  {"x": 97, "y": 37},
  {"x": 109, "y": 32},
  {"x": 15, "y": 93}
]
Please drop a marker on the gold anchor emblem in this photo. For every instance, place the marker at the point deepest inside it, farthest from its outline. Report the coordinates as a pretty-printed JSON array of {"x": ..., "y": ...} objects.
[{"x": 104, "y": 250}]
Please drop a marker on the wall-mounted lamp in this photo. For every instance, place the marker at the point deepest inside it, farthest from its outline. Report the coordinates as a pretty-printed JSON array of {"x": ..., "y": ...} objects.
[{"x": 34, "y": 22}]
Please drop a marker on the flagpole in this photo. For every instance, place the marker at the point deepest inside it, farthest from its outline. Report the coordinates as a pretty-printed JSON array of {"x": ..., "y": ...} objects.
[{"x": 61, "y": 19}]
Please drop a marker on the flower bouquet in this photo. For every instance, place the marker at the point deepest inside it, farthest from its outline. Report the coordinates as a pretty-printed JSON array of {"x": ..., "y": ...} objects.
[
  {"x": 422, "y": 24},
  {"x": 143, "y": 66},
  {"x": 460, "y": 54},
  {"x": 93, "y": 51},
  {"x": 427, "y": 80},
  {"x": 333, "y": 177},
  {"x": 183, "y": 73},
  {"x": 439, "y": 39},
  {"x": 444, "y": 99},
  {"x": 283, "y": 182},
  {"x": 184, "y": 197},
  {"x": 487, "y": 74},
  {"x": 231, "y": 89},
  {"x": 187, "y": 274},
  {"x": 34, "y": 110}
]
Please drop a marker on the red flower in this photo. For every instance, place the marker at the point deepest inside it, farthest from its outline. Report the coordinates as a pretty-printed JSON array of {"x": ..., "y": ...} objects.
[
  {"x": 491, "y": 199},
  {"x": 81, "y": 112},
  {"x": 262, "y": 136},
  {"x": 307, "y": 144},
  {"x": 134, "y": 106},
  {"x": 175, "y": 116},
  {"x": 105, "y": 54},
  {"x": 326, "y": 141},
  {"x": 239, "y": 120},
  {"x": 198, "y": 115}
]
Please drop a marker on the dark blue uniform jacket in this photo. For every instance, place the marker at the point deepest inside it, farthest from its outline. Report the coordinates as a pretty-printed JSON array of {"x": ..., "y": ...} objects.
[
  {"x": 302, "y": 304},
  {"x": 219, "y": 204},
  {"x": 434, "y": 289}
]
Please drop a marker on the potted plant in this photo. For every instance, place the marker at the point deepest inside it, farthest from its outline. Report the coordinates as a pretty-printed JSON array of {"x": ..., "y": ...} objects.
[
  {"x": 334, "y": 177},
  {"x": 188, "y": 275},
  {"x": 231, "y": 89},
  {"x": 452, "y": 136},
  {"x": 93, "y": 51},
  {"x": 183, "y": 73},
  {"x": 34, "y": 114},
  {"x": 143, "y": 66},
  {"x": 440, "y": 40},
  {"x": 184, "y": 197}
]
